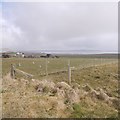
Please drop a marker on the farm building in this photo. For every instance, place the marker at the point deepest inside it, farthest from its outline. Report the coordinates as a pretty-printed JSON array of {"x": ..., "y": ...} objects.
[
  {"x": 12, "y": 54},
  {"x": 20, "y": 54},
  {"x": 26, "y": 55},
  {"x": 48, "y": 56},
  {"x": 8, "y": 54},
  {"x": 4, "y": 55}
]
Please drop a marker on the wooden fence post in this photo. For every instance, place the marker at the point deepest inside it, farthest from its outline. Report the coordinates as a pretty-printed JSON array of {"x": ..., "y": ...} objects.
[
  {"x": 69, "y": 73},
  {"x": 12, "y": 71}
]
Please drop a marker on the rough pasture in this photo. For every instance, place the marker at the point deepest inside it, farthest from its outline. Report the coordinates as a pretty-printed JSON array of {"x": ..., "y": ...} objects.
[{"x": 37, "y": 67}]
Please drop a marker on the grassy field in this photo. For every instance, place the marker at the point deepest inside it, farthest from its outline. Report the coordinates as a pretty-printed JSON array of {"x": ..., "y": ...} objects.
[
  {"x": 20, "y": 98},
  {"x": 53, "y": 65}
]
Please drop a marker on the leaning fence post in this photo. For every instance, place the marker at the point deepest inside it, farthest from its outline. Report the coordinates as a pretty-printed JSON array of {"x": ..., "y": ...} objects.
[
  {"x": 69, "y": 73},
  {"x": 12, "y": 71}
]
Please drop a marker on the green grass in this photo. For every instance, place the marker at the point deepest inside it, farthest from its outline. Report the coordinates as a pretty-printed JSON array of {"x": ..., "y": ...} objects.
[
  {"x": 77, "y": 113},
  {"x": 53, "y": 64}
]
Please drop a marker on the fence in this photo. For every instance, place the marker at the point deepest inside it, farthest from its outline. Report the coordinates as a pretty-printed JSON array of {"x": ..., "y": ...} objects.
[
  {"x": 45, "y": 67},
  {"x": 14, "y": 71}
]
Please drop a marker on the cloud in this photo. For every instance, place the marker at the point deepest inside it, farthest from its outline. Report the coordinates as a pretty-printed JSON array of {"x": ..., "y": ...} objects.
[
  {"x": 60, "y": 26},
  {"x": 10, "y": 34}
]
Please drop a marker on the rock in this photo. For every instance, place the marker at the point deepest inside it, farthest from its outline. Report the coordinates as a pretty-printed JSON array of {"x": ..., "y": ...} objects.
[
  {"x": 94, "y": 94},
  {"x": 102, "y": 95},
  {"x": 72, "y": 96},
  {"x": 63, "y": 85},
  {"x": 65, "y": 91},
  {"x": 62, "y": 90},
  {"x": 45, "y": 86},
  {"x": 60, "y": 93}
]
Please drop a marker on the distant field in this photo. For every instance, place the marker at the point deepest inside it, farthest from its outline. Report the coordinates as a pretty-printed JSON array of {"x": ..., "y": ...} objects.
[{"x": 37, "y": 66}]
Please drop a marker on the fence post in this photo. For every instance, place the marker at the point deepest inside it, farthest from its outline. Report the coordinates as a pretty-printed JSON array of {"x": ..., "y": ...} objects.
[
  {"x": 12, "y": 71},
  {"x": 69, "y": 73}
]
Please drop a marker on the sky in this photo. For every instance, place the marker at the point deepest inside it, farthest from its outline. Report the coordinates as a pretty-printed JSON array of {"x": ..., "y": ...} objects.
[{"x": 59, "y": 26}]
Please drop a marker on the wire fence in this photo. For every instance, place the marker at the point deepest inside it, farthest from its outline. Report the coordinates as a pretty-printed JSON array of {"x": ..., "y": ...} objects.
[{"x": 47, "y": 66}]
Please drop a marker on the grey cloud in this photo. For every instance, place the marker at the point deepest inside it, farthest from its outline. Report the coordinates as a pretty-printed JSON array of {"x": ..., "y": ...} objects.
[{"x": 63, "y": 25}]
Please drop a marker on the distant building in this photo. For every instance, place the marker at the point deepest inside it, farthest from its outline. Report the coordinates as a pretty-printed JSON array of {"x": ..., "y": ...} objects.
[
  {"x": 8, "y": 54},
  {"x": 12, "y": 54},
  {"x": 4, "y": 55},
  {"x": 20, "y": 54},
  {"x": 48, "y": 56},
  {"x": 23, "y": 55}
]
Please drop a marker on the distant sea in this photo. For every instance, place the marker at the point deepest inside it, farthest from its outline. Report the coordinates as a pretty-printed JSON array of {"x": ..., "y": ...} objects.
[
  {"x": 72, "y": 51},
  {"x": 63, "y": 51}
]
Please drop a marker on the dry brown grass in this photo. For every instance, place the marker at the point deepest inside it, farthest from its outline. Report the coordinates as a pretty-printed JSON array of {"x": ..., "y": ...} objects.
[{"x": 21, "y": 99}]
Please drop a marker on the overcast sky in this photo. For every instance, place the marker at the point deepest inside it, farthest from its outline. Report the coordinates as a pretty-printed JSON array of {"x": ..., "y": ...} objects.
[{"x": 60, "y": 26}]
